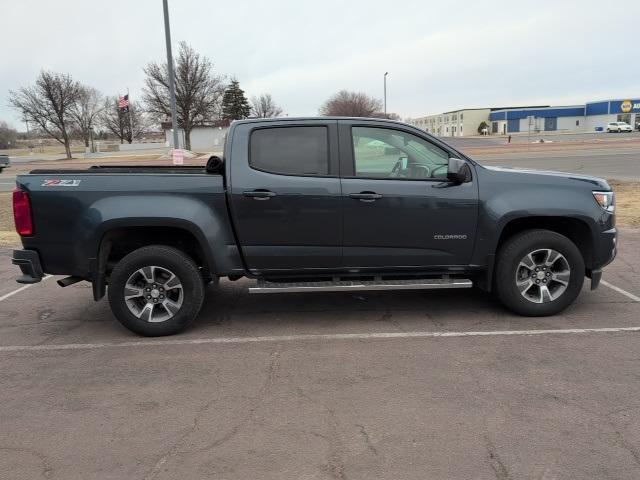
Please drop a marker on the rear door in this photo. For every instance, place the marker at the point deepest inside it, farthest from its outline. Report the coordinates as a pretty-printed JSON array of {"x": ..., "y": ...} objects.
[
  {"x": 398, "y": 209},
  {"x": 286, "y": 195}
]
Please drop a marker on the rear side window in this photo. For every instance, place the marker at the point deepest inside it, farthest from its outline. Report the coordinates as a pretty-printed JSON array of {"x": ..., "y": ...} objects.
[{"x": 290, "y": 150}]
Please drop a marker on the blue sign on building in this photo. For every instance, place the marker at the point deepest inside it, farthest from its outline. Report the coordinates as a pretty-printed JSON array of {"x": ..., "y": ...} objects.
[{"x": 624, "y": 106}]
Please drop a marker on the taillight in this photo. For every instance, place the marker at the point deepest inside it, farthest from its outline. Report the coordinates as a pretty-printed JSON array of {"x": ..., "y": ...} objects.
[{"x": 22, "y": 212}]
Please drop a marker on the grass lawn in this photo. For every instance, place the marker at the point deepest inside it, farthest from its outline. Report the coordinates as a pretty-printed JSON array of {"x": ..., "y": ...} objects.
[{"x": 627, "y": 211}]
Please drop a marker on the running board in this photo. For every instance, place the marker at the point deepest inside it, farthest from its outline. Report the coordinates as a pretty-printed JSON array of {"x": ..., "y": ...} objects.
[{"x": 265, "y": 286}]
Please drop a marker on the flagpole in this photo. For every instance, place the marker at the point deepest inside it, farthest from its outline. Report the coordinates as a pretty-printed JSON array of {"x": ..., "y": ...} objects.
[
  {"x": 130, "y": 117},
  {"x": 172, "y": 88}
]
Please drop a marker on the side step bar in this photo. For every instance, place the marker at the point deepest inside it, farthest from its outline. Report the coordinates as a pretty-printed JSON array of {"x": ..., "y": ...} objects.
[{"x": 264, "y": 286}]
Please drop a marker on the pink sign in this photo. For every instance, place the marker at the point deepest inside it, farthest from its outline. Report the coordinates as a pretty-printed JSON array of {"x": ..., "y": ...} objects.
[{"x": 178, "y": 156}]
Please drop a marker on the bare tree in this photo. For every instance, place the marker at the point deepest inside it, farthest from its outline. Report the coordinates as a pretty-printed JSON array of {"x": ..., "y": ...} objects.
[
  {"x": 118, "y": 123},
  {"x": 86, "y": 110},
  {"x": 390, "y": 116},
  {"x": 264, "y": 107},
  {"x": 8, "y": 136},
  {"x": 198, "y": 90},
  {"x": 351, "y": 104},
  {"x": 48, "y": 104}
]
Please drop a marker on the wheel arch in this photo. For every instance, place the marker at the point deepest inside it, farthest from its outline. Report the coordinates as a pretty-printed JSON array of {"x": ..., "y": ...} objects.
[
  {"x": 119, "y": 238},
  {"x": 576, "y": 230}
]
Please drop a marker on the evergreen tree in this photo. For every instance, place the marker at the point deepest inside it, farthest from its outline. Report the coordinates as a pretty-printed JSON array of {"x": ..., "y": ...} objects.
[{"x": 235, "y": 105}]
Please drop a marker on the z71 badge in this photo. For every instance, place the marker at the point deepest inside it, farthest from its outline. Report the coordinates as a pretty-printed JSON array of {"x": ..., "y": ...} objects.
[{"x": 60, "y": 183}]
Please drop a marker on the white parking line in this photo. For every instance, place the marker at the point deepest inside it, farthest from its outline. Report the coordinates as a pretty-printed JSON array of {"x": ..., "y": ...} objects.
[
  {"x": 18, "y": 290},
  {"x": 308, "y": 337},
  {"x": 620, "y": 290}
]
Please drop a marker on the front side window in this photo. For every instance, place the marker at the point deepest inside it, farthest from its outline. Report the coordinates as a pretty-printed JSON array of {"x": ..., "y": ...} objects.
[
  {"x": 290, "y": 150},
  {"x": 388, "y": 153}
]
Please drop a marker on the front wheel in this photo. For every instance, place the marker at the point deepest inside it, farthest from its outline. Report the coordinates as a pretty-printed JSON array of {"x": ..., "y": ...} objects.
[
  {"x": 156, "y": 290},
  {"x": 539, "y": 273}
]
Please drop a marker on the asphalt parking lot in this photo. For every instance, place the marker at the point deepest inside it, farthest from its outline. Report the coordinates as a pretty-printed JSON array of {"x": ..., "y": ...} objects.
[{"x": 410, "y": 385}]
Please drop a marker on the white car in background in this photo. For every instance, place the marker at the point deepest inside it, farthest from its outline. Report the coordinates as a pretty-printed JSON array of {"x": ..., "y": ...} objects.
[{"x": 619, "y": 127}]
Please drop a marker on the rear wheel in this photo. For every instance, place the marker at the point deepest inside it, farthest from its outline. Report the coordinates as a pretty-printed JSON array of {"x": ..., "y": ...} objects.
[
  {"x": 156, "y": 290},
  {"x": 539, "y": 273}
]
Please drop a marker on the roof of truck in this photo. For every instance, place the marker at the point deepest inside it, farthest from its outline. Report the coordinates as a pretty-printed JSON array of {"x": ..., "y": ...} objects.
[{"x": 298, "y": 119}]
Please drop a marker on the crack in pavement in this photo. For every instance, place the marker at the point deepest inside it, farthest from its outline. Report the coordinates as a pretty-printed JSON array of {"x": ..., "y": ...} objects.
[
  {"x": 367, "y": 440},
  {"x": 47, "y": 469},
  {"x": 496, "y": 463},
  {"x": 174, "y": 449},
  {"x": 335, "y": 463}
]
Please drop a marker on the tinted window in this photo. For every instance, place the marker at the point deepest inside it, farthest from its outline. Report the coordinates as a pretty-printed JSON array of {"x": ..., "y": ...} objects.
[
  {"x": 290, "y": 150},
  {"x": 388, "y": 153}
]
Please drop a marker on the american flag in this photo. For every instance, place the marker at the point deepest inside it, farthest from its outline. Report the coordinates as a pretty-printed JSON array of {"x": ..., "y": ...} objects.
[{"x": 123, "y": 103}]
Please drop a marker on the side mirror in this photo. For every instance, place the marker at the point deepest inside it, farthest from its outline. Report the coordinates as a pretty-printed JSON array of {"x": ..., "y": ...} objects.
[
  {"x": 458, "y": 171},
  {"x": 214, "y": 164}
]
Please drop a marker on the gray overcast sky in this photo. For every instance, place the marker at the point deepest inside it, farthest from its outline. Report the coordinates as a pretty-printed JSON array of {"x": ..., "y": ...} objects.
[{"x": 440, "y": 56}]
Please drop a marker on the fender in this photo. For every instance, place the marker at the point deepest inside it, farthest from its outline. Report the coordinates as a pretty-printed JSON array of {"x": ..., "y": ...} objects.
[
  {"x": 209, "y": 224},
  {"x": 506, "y": 196}
]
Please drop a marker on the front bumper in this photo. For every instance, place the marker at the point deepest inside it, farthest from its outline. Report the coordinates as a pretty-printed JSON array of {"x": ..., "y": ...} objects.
[
  {"x": 604, "y": 254},
  {"x": 29, "y": 263}
]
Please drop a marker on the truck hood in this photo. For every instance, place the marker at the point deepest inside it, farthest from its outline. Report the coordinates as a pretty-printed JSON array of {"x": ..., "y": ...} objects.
[{"x": 594, "y": 181}]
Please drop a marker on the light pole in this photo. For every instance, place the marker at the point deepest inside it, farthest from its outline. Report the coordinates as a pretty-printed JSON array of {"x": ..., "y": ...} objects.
[
  {"x": 172, "y": 87},
  {"x": 385, "y": 94}
]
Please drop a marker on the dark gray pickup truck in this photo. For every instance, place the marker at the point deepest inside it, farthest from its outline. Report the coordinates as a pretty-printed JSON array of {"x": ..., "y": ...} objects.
[{"x": 314, "y": 204}]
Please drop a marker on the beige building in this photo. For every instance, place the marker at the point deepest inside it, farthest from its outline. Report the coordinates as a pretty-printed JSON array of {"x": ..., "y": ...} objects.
[{"x": 457, "y": 123}]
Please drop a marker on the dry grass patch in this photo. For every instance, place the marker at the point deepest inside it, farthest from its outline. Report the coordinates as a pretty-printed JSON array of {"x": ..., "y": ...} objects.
[
  {"x": 8, "y": 235},
  {"x": 42, "y": 149},
  {"x": 627, "y": 202}
]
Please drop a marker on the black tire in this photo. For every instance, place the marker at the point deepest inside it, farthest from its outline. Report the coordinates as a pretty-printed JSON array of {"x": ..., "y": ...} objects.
[
  {"x": 173, "y": 260},
  {"x": 507, "y": 267}
]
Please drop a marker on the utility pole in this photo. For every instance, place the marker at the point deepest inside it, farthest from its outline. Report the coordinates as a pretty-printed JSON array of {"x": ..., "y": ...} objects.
[
  {"x": 28, "y": 135},
  {"x": 385, "y": 94},
  {"x": 172, "y": 87}
]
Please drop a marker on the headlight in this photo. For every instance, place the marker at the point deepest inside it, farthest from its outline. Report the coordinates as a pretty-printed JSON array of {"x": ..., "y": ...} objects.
[{"x": 606, "y": 200}]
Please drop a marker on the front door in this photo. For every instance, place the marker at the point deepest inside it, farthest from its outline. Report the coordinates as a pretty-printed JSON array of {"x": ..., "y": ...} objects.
[
  {"x": 286, "y": 196},
  {"x": 398, "y": 209}
]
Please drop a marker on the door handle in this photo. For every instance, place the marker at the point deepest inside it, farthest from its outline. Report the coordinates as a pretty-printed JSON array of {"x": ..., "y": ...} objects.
[
  {"x": 259, "y": 194},
  {"x": 366, "y": 196}
]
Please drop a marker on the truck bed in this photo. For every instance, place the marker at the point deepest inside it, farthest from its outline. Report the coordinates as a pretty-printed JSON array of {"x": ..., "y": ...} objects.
[
  {"x": 72, "y": 209},
  {"x": 166, "y": 169}
]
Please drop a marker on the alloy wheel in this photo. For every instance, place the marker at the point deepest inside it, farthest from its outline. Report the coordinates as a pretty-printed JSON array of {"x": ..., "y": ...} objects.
[
  {"x": 543, "y": 275},
  {"x": 153, "y": 294}
]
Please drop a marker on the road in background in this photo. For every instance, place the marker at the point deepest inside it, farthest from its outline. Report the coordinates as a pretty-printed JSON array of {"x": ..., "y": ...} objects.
[
  {"x": 611, "y": 164},
  {"x": 492, "y": 140}
]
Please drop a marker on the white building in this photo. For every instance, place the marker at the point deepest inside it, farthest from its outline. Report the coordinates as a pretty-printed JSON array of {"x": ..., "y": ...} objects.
[
  {"x": 204, "y": 138},
  {"x": 457, "y": 123},
  {"x": 538, "y": 119}
]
